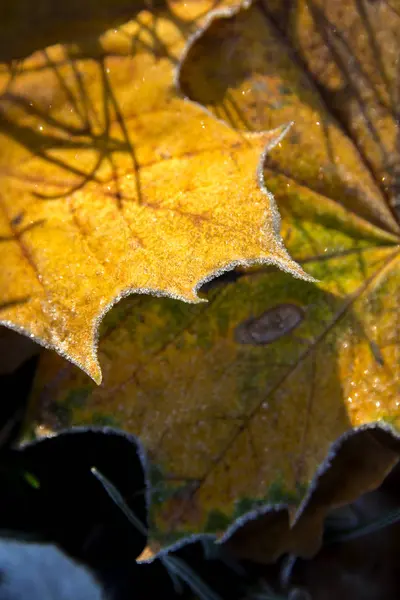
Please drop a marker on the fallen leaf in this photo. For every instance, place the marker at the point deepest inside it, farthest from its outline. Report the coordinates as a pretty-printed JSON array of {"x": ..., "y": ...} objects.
[
  {"x": 357, "y": 463},
  {"x": 229, "y": 423},
  {"x": 247, "y": 72},
  {"x": 343, "y": 540},
  {"x": 113, "y": 183}
]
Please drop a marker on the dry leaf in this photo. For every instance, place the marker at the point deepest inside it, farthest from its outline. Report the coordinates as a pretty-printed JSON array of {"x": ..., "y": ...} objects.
[
  {"x": 343, "y": 541},
  {"x": 357, "y": 463},
  {"x": 112, "y": 182},
  {"x": 239, "y": 400}
]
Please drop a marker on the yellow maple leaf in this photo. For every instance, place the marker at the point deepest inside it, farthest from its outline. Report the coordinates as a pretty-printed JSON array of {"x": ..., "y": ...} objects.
[
  {"x": 239, "y": 399},
  {"x": 112, "y": 182}
]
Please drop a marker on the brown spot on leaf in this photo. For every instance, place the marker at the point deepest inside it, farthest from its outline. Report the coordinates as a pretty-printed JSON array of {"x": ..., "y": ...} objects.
[{"x": 270, "y": 325}]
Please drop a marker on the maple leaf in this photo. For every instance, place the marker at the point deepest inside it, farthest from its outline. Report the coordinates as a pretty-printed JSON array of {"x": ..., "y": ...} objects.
[
  {"x": 328, "y": 547},
  {"x": 113, "y": 183},
  {"x": 239, "y": 399}
]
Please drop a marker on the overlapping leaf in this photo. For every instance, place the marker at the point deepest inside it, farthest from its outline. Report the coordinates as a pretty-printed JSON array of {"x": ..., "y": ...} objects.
[
  {"x": 232, "y": 412},
  {"x": 86, "y": 491},
  {"x": 112, "y": 182},
  {"x": 346, "y": 530}
]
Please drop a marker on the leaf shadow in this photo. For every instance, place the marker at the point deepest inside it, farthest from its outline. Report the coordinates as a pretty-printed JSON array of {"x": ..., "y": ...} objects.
[
  {"x": 5, "y": 305},
  {"x": 42, "y": 132},
  {"x": 65, "y": 136}
]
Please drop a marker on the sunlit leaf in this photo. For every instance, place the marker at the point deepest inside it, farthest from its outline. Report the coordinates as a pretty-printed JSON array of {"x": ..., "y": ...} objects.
[
  {"x": 112, "y": 182},
  {"x": 241, "y": 397}
]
